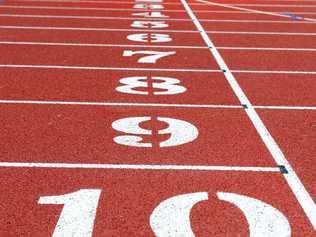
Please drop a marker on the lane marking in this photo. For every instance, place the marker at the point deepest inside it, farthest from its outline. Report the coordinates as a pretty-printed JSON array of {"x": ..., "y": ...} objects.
[
  {"x": 297, "y": 187},
  {"x": 93, "y": 29},
  {"x": 135, "y": 18},
  {"x": 259, "y": 33},
  {"x": 91, "y": 1},
  {"x": 267, "y": 49},
  {"x": 285, "y": 107},
  {"x": 148, "y": 30},
  {"x": 272, "y": 5},
  {"x": 137, "y": 167},
  {"x": 90, "y": 17},
  {"x": 126, "y": 9},
  {"x": 115, "y": 104},
  {"x": 150, "y": 46},
  {"x": 86, "y": 8},
  {"x": 102, "y": 45},
  {"x": 170, "y": 3},
  {"x": 133, "y": 2},
  {"x": 42, "y": 102},
  {"x": 107, "y": 68},
  {"x": 251, "y": 10},
  {"x": 149, "y": 69},
  {"x": 274, "y": 72}
]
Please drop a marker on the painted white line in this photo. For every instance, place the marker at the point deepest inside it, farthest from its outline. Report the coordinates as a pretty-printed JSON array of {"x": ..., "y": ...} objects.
[
  {"x": 116, "y": 104},
  {"x": 121, "y": 9},
  {"x": 101, "y": 45},
  {"x": 133, "y": 2},
  {"x": 251, "y": 10},
  {"x": 285, "y": 107},
  {"x": 69, "y": 67},
  {"x": 258, "y": 21},
  {"x": 80, "y": 103},
  {"x": 272, "y": 5},
  {"x": 151, "y": 46},
  {"x": 106, "y": 68},
  {"x": 83, "y": 8},
  {"x": 137, "y": 167},
  {"x": 101, "y": 2},
  {"x": 89, "y": 17},
  {"x": 267, "y": 49},
  {"x": 297, "y": 187},
  {"x": 147, "y": 30},
  {"x": 92, "y": 29},
  {"x": 135, "y": 18},
  {"x": 274, "y": 72},
  {"x": 259, "y": 33}
]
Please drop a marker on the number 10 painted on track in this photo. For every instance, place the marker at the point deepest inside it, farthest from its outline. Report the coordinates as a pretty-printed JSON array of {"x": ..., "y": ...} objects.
[{"x": 170, "y": 218}]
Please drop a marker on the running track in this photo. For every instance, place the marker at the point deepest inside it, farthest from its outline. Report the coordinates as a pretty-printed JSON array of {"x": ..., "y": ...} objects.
[{"x": 167, "y": 118}]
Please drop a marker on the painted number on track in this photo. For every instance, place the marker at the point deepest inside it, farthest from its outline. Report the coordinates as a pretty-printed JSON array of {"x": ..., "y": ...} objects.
[
  {"x": 166, "y": 85},
  {"x": 78, "y": 214},
  {"x": 180, "y": 132},
  {"x": 149, "y": 37},
  {"x": 170, "y": 217},
  {"x": 153, "y": 56}
]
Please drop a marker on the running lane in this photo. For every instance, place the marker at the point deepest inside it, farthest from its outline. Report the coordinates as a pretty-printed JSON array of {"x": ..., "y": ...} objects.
[{"x": 120, "y": 118}]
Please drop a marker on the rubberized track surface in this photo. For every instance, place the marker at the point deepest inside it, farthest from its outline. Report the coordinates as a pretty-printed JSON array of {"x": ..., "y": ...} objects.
[{"x": 167, "y": 118}]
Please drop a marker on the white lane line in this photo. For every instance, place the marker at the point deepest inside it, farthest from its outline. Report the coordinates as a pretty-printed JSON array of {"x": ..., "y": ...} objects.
[
  {"x": 297, "y": 187},
  {"x": 80, "y": 103},
  {"x": 92, "y": 29},
  {"x": 89, "y": 17},
  {"x": 68, "y": 67},
  {"x": 271, "y": 5},
  {"x": 285, "y": 107},
  {"x": 101, "y": 45},
  {"x": 251, "y": 10},
  {"x": 115, "y": 104},
  {"x": 259, "y": 33},
  {"x": 148, "y": 30},
  {"x": 106, "y": 68},
  {"x": 84, "y": 8},
  {"x": 164, "y": 3},
  {"x": 162, "y": 19},
  {"x": 258, "y": 21},
  {"x": 126, "y": 9},
  {"x": 133, "y": 2},
  {"x": 274, "y": 72},
  {"x": 150, "y": 46},
  {"x": 267, "y": 49},
  {"x": 101, "y": 2},
  {"x": 137, "y": 167}
]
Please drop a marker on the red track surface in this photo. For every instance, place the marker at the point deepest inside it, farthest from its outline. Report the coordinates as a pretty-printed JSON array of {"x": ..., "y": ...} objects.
[{"x": 217, "y": 138}]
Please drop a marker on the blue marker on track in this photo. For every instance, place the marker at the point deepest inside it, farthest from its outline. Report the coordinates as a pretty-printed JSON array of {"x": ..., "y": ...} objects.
[{"x": 292, "y": 16}]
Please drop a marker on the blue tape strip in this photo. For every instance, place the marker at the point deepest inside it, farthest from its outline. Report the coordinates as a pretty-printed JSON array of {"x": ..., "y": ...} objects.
[
  {"x": 293, "y": 17},
  {"x": 283, "y": 169}
]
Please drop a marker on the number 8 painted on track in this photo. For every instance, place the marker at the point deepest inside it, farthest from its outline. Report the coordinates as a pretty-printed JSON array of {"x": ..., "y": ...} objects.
[{"x": 169, "y": 85}]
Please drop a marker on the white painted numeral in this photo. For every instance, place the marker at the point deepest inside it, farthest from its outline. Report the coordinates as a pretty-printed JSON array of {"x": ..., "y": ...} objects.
[
  {"x": 150, "y": 14},
  {"x": 78, "y": 214},
  {"x": 154, "y": 55},
  {"x": 172, "y": 216},
  {"x": 180, "y": 131},
  {"x": 148, "y": 6},
  {"x": 149, "y": 24},
  {"x": 150, "y": 38},
  {"x": 169, "y": 85},
  {"x": 263, "y": 219}
]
